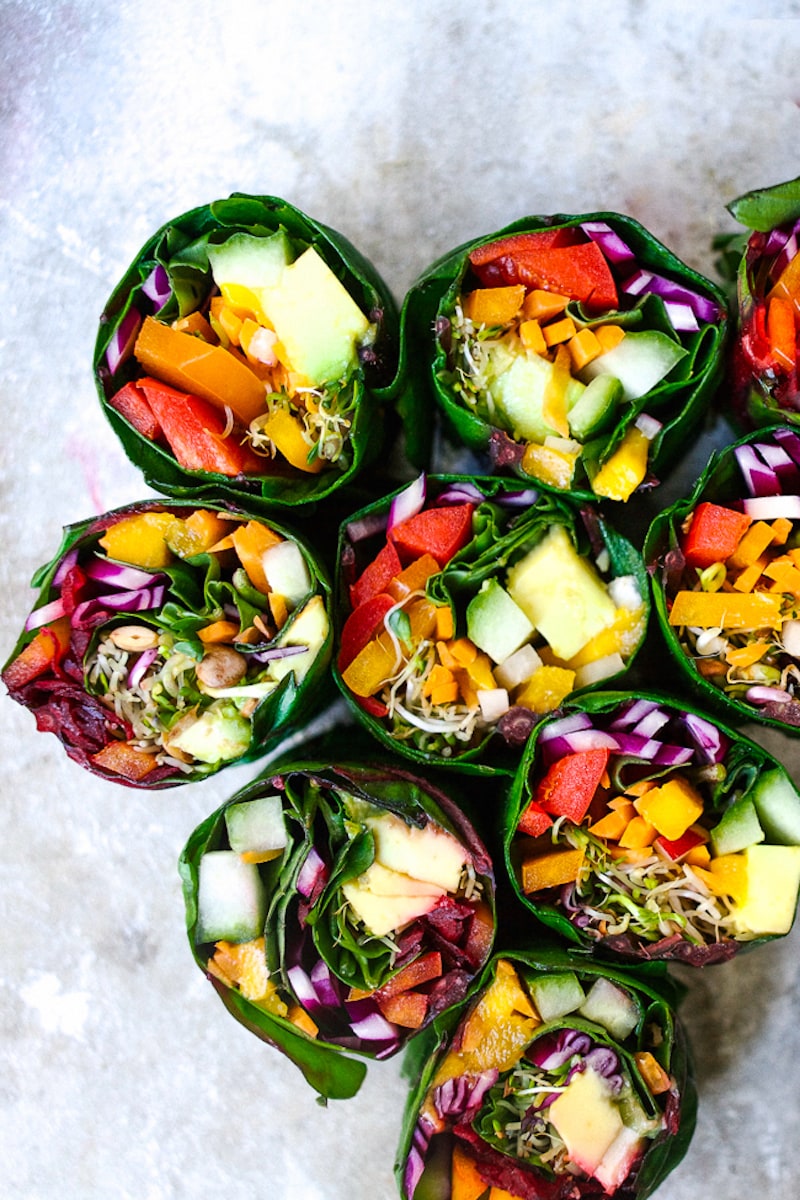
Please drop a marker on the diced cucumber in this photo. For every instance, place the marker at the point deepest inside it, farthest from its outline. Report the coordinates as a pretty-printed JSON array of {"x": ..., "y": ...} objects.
[
  {"x": 256, "y": 828},
  {"x": 557, "y": 995},
  {"x": 231, "y": 900},
  {"x": 738, "y": 829},
  {"x": 778, "y": 806},
  {"x": 519, "y": 394},
  {"x": 249, "y": 260},
  {"x": 287, "y": 572},
  {"x": 612, "y": 1007},
  {"x": 639, "y": 362},
  {"x": 495, "y": 623},
  {"x": 595, "y": 407}
]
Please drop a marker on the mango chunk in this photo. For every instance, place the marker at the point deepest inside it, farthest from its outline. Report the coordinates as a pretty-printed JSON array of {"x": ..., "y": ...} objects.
[
  {"x": 140, "y": 540},
  {"x": 671, "y": 808},
  {"x": 551, "y": 869}
]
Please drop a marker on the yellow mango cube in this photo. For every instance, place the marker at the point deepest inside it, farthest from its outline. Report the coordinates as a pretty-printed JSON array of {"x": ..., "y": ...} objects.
[
  {"x": 608, "y": 336},
  {"x": 532, "y": 338},
  {"x": 140, "y": 540},
  {"x": 583, "y": 348},
  {"x": 638, "y": 834},
  {"x": 671, "y": 808},
  {"x": 542, "y": 305},
  {"x": 494, "y": 305},
  {"x": 556, "y": 467},
  {"x": 559, "y": 331},
  {"x": 546, "y": 689}
]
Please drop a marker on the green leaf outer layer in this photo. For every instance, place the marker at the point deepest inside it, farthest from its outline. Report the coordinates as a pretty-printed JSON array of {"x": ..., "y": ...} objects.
[
  {"x": 418, "y": 391},
  {"x": 181, "y": 241},
  {"x": 284, "y": 709},
  {"x": 497, "y": 540},
  {"x": 329, "y": 1069},
  {"x": 658, "y": 996},
  {"x": 744, "y": 758}
]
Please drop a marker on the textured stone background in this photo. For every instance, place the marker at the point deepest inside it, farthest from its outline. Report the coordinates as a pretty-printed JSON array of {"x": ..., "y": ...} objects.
[{"x": 409, "y": 127}]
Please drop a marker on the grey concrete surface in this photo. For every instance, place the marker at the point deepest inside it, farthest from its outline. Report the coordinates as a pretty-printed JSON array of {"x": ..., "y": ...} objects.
[{"x": 409, "y": 127}]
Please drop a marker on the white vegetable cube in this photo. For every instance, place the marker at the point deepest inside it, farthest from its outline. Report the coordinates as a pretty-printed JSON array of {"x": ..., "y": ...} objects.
[
  {"x": 600, "y": 668},
  {"x": 518, "y": 667},
  {"x": 493, "y": 703},
  {"x": 624, "y": 591},
  {"x": 256, "y": 828},
  {"x": 287, "y": 572},
  {"x": 231, "y": 900},
  {"x": 556, "y": 995}
]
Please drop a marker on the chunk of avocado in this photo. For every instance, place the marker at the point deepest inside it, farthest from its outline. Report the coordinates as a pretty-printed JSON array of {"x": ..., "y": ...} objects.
[
  {"x": 310, "y": 628},
  {"x": 519, "y": 393},
  {"x": 219, "y": 734},
  {"x": 561, "y": 593},
  {"x": 428, "y": 853},
  {"x": 231, "y": 900},
  {"x": 318, "y": 323},
  {"x": 495, "y": 623},
  {"x": 773, "y": 882}
]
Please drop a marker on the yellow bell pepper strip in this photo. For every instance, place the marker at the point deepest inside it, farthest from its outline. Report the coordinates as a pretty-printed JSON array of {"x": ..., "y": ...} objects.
[
  {"x": 551, "y": 869},
  {"x": 140, "y": 540},
  {"x": 724, "y": 610},
  {"x": 286, "y": 432},
  {"x": 621, "y": 474},
  {"x": 372, "y": 667}
]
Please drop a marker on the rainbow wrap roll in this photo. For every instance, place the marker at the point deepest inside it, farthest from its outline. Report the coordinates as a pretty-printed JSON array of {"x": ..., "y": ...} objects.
[
  {"x": 575, "y": 351},
  {"x": 338, "y": 908},
  {"x": 641, "y": 827},
  {"x": 168, "y": 641},
  {"x": 564, "y": 1079},
  {"x": 466, "y": 610},
  {"x": 245, "y": 354},
  {"x": 764, "y": 378},
  {"x": 725, "y": 573}
]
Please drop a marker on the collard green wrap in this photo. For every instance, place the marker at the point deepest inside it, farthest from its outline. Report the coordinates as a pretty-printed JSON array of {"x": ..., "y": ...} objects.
[
  {"x": 167, "y": 641},
  {"x": 338, "y": 909},
  {"x": 509, "y": 382},
  {"x": 466, "y": 609},
  {"x": 245, "y": 354},
  {"x": 565, "y": 1078},
  {"x": 723, "y": 566},
  {"x": 641, "y": 827},
  {"x": 764, "y": 379}
]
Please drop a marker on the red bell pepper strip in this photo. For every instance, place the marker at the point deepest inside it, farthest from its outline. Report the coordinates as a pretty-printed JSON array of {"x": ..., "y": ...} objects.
[
  {"x": 131, "y": 402},
  {"x": 713, "y": 535},
  {"x": 534, "y": 820},
  {"x": 361, "y": 625},
  {"x": 523, "y": 243},
  {"x": 194, "y": 428},
  {"x": 580, "y": 272},
  {"x": 372, "y": 705},
  {"x": 48, "y": 647},
  {"x": 376, "y": 577},
  {"x": 682, "y": 845},
  {"x": 568, "y": 787},
  {"x": 440, "y": 532}
]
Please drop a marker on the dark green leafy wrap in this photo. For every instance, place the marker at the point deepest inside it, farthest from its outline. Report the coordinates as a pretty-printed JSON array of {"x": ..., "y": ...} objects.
[
  {"x": 467, "y": 1088},
  {"x": 505, "y": 526},
  {"x": 173, "y": 266},
  {"x": 764, "y": 385},
  {"x": 723, "y": 879},
  {"x": 86, "y": 595},
  {"x": 365, "y": 992},
  {"x": 676, "y": 405},
  {"x": 768, "y": 690}
]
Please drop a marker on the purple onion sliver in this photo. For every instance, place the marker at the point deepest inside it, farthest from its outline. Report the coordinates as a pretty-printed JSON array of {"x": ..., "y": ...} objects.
[
  {"x": 555, "y": 1049},
  {"x": 325, "y": 984},
  {"x": 157, "y": 286},
  {"x": 682, "y": 316},
  {"x": 65, "y": 566},
  {"x": 119, "y": 575},
  {"x": 461, "y": 493},
  {"x": 374, "y": 1028},
  {"x": 521, "y": 499},
  {"x": 643, "y": 282},
  {"x": 578, "y": 742},
  {"x": 779, "y": 461},
  {"x": 769, "y": 508},
  {"x": 759, "y": 478},
  {"x": 137, "y": 671},
  {"x": 415, "y": 1165},
  {"x": 633, "y": 712},
  {"x": 48, "y": 612},
  {"x": 408, "y": 503},
  {"x": 650, "y": 724},
  {"x": 136, "y": 601},
  {"x": 359, "y": 531},
  {"x": 710, "y": 742},
  {"x": 312, "y": 870},
  {"x": 776, "y": 240},
  {"x": 609, "y": 241},
  {"x": 648, "y": 425},
  {"x": 564, "y": 725},
  {"x": 790, "y": 442},
  {"x": 122, "y": 339},
  {"x": 274, "y": 652},
  {"x": 303, "y": 988},
  {"x": 762, "y": 694}
]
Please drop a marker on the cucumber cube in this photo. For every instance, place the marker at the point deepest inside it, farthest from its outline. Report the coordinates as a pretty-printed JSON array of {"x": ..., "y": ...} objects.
[
  {"x": 495, "y": 623},
  {"x": 595, "y": 408},
  {"x": 287, "y": 572},
  {"x": 738, "y": 829},
  {"x": 640, "y": 361},
  {"x": 778, "y": 806},
  {"x": 231, "y": 900},
  {"x": 256, "y": 828},
  {"x": 557, "y": 995},
  {"x": 612, "y": 1007}
]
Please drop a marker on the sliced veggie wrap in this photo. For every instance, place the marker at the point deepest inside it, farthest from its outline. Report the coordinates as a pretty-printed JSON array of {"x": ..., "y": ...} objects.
[
  {"x": 564, "y": 1078},
  {"x": 640, "y": 826},
  {"x": 338, "y": 908},
  {"x": 246, "y": 353},
  {"x": 167, "y": 641},
  {"x": 764, "y": 381},
  {"x": 465, "y": 610},
  {"x": 724, "y": 564},
  {"x": 576, "y": 351}
]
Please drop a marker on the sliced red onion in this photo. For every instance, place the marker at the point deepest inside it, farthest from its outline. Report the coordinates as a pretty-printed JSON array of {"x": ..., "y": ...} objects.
[
  {"x": 779, "y": 461},
  {"x": 555, "y": 1049},
  {"x": 137, "y": 671},
  {"x": 649, "y": 426},
  {"x": 634, "y": 712},
  {"x": 42, "y": 616},
  {"x": 660, "y": 753},
  {"x": 776, "y": 241},
  {"x": 274, "y": 652},
  {"x": 359, "y": 531},
  {"x": 579, "y": 741},
  {"x": 138, "y": 601},
  {"x": 119, "y": 575},
  {"x": 609, "y": 241},
  {"x": 415, "y": 1163},
  {"x": 784, "y": 255},
  {"x": 650, "y": 724},
  {"x": 157, "y": 286},
  {"x": 65, "y": 566},
  {"x": 769, "y": 508},
  {"x": 681, "y": 316},
  {"x": 312, "y": 870},
  {"x": 643, "y": 282},
  {"x": 521, "y": 499},
  {"x": 461, "y": 493},
  {"x": 300, "y": 983},
  {"x": 759, "y": 478},
  {"x": 790, "y": 442},
  {"x": 325, "y": 984},
  {"x": 761, "y": 694},
  {"x": 710, "y": 742},
  {"x": 122, "y": 339},
  {"x": 408, "y": 503},
  {"x": 564, "y": 725},
  {"x": 374, "y": 1028}
]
